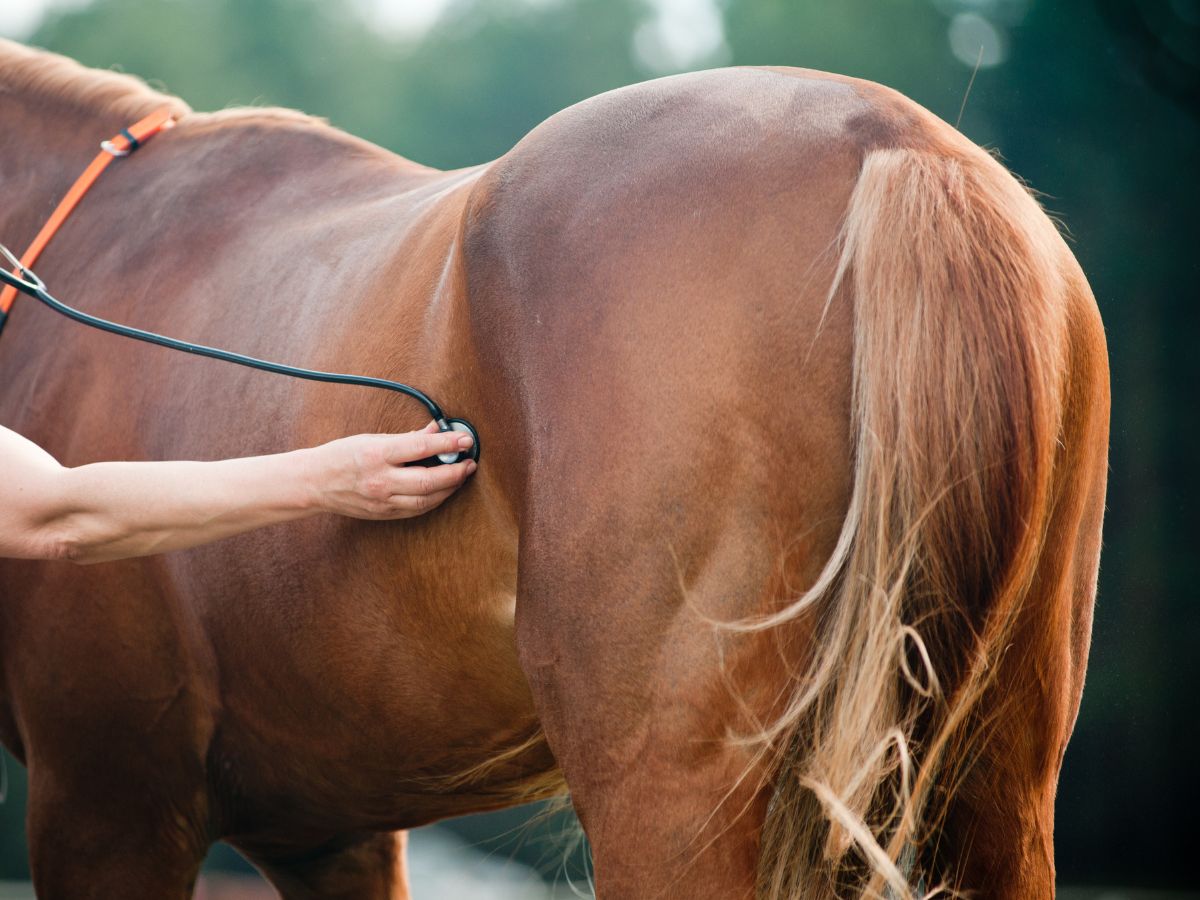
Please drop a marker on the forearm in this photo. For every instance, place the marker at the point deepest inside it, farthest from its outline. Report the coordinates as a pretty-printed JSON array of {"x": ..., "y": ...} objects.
[{"x": 114, "y": 510}]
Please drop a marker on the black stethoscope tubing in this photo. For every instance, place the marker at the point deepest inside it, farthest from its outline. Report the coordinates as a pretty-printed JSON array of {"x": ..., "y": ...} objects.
[{"x": 33, "y": 286}]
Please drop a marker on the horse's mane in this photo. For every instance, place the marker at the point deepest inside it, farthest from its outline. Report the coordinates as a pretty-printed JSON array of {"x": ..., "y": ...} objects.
[
  {"x": 63, "y": 82},
  {"x": 60, "y": 81}
]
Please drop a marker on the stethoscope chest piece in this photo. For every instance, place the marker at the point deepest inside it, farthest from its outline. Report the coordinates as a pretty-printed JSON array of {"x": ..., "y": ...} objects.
[
  {"x": 471, "y": 453},
  {"x": 446, "y": 459}
]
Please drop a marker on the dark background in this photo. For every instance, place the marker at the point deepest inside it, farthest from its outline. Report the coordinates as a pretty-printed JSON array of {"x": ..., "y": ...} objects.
[{"x": 1094, "y": 104}]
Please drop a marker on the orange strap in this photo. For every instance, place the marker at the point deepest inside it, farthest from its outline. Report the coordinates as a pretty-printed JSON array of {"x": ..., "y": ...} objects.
[{"x": 122, "y": 144}]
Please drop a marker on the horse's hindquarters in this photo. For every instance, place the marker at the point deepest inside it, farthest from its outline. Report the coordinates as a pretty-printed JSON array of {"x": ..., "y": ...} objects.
[
  {"x": 683, "y": 381},
  {"x": 687, "y": 417}
]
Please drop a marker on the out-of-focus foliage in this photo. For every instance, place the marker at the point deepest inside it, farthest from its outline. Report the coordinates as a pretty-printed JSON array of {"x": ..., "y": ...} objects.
[
  {"x": 460, "y": 94},
  {"x": 1100, "y": 126}
]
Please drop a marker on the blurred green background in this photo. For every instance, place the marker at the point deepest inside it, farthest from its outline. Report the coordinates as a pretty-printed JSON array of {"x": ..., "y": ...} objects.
[{"x": 1094, "y": 104}]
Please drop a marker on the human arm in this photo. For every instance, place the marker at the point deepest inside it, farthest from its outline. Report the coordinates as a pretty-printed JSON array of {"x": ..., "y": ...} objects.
[{"x": 113, "y": 510}]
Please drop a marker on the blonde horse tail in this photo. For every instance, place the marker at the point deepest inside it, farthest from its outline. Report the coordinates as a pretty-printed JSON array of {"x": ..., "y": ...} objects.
[{"x": 957, "y": 280}]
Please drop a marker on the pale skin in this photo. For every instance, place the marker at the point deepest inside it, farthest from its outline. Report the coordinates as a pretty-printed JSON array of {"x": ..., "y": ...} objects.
[{"x": 116, "y": 510}]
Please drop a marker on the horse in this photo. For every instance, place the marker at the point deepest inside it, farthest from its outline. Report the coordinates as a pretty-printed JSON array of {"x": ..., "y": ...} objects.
[{"x": 782, "y": 551}]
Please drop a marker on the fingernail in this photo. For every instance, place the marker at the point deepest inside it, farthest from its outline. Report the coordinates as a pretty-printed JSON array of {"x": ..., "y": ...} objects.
[
  {"x": 471, "y": 467},
  {"x": 465, "y": 441}
]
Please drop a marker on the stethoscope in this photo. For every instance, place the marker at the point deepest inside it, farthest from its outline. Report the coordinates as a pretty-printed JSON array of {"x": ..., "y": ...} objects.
[{"x": 29, "y": 283}]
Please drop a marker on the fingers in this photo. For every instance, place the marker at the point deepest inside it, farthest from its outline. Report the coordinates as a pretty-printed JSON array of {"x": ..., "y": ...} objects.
[
  {"x": 419, "y": 482},
  {"x": 420, "y": 490},
  {"x": 364, "y": 475},
  {"x": 404, "y": 448},
  {"x": 422, "y": 503}
]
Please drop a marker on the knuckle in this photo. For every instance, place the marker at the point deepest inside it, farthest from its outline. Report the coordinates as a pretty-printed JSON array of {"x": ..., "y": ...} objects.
[
  {"x": 373, "y": 454},
  {"x": 374, "y": 510},
  {"x": 375, "y": 488}
]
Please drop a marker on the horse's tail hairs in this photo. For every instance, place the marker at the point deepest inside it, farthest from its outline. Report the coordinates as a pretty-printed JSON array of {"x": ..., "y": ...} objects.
[
  {"x": 957, "y": 373},
  {"x": 520, "y": 771}
]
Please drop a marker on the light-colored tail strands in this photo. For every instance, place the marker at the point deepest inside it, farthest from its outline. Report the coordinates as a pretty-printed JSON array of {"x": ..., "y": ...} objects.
[{"x": 958, "y": 317}]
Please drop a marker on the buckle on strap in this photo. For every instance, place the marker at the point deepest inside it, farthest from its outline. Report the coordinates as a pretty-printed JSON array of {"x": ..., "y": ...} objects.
[
  {"x": 132, "y": 144},
  {"x": 132, "y": 137}
]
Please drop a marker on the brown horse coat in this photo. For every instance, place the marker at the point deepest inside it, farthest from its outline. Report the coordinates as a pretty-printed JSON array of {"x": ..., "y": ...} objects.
[{"x": 631, "y": 306}]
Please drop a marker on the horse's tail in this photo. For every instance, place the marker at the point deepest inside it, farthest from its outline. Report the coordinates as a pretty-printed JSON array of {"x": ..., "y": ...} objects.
[{"x": 957, "y": 282}]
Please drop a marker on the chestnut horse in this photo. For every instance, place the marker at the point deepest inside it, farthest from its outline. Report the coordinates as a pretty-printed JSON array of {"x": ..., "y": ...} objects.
[{"x": 781, "y": 554}]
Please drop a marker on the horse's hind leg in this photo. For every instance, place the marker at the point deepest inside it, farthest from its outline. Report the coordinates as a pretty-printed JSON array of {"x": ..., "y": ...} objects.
[
  {"x": 999, "y": 834},
  {"x": 641, "y": 697},
  {"x": 622, "y": 573},
  {"x": 364, "y": 867},
  {"x": 634, "y": 706}
]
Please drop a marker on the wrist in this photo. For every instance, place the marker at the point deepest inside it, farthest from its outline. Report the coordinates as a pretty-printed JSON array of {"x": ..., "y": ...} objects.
[{"x": 310, "y": 476}]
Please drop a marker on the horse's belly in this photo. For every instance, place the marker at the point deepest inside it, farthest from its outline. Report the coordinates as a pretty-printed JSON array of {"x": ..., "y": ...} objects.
[{"x": 360, "y": 670}]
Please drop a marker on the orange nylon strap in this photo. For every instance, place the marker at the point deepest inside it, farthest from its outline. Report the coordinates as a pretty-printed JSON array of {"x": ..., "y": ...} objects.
[{"x": 119, "y": 145}]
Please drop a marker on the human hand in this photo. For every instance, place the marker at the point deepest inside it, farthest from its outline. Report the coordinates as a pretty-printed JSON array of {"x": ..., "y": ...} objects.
[{"x": 365, "y": 476}]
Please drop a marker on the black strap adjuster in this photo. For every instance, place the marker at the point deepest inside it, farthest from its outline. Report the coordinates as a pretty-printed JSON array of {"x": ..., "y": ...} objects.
[{"x": 110, "y": 147}]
